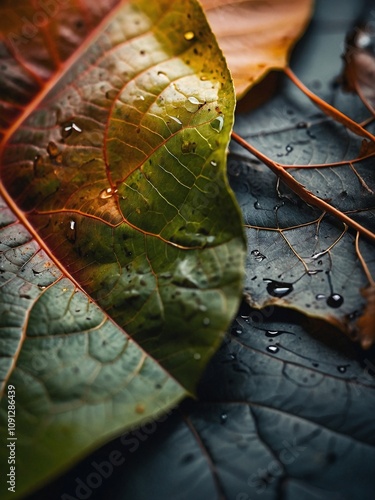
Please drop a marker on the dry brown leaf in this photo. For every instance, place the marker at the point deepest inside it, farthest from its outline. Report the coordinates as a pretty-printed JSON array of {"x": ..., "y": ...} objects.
[
  {"x": 359, "y": 72},
  {"x": 366, "y": 323},
  {"x": 256, "y": 36}
]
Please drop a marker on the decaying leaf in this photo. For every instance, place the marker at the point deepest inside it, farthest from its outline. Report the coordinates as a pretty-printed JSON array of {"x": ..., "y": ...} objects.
[
  {"x": 256, "y": 36},
  {"x": 366, "y": 323},
  {"x": 301, "y": 257},
  {"x": 359, "y": 72}
]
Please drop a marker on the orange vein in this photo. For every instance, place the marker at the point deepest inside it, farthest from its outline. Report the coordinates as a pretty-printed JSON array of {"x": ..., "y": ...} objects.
[{"x": 301, "y": 191}]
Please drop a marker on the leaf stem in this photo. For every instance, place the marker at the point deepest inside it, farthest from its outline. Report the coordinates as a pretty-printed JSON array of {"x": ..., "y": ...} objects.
[
  {"x": 328, "y": 109},
  {"x": 300, "y": 190}
]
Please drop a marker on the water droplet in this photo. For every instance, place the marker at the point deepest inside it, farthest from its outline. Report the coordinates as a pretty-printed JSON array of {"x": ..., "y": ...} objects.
[
  {"x": 259, "y": 257},
  {"x": 288, "y": 148},
  {"x": 72, "y": 225},
  {"x": 257, "y": 205},
  {"x": 213, "y": 163},
  {"x": 189, "y": 35},
  {"x": 204, "y": 78},
  {"x": 363, "y": 40},
  {"x": 335, "y": 300},
  {"x": 342, "y": 368},
  {"x": 278, "y": 288},
  {"x": 320, "y": 296},
  {"x": 197, "y": 356},
  {"x": 52, "y": 149},
  {"x": 69, "y": 128},
  {"x": 319, "y": 254},
  {"x": 273, "y": 349},
  {"x": 237, "y": 332},
  {"x": 301, "y": 125},
  {"x": 106, "y": 193},
  {"x": 218, "y": 123},
  {"x": 223, "y": 418},
  {"x": 206, "y": 321},
  {"x": 273, "y": 333},
  {"x": 314, "y": 272},
  {"x": 177, "y": 120},
  {"x": 194, "y": 100}
]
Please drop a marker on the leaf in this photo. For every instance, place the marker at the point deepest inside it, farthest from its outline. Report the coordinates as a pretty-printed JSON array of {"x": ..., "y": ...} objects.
[
  {"x": 35, "y": 44},
  {"x": 78, "y": 378},
  {"x": 282, "y": 413},
  {"x": 300, "y": 257},
  {"x": 360, "y": 64},
  {"x": 256, "y": 37},
  {"x": 124, "y": 224}
]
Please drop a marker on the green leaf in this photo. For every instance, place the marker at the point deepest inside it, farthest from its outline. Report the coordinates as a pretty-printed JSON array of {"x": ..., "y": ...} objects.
[
  {"x": 124, "y": 225},
  {"x": 283, "y": 412}
]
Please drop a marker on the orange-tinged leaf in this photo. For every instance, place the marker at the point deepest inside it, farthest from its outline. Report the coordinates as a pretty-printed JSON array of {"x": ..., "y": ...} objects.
[
  {"x": 121, "y": 245},
  {"x": 359, "y": 72},
  {"x": 256, "y": 36},
  {"x": 366, "y": 323},
  {"x": 36, "y": 40}
]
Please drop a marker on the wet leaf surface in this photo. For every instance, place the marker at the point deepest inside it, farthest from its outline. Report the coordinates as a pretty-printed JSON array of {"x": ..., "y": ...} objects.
[
  {"x": 282, "y": 413},
  {"x": 115, "y": 176},
  {"x": 285, "y": 408},
  {"x": 298, "y": 256}
]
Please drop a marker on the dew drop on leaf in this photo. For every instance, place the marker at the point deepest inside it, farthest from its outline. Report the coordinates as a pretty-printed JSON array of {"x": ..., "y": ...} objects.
[
  {"x": 223, "y": 418},
  {"x": 273, "y": 349},
  {"x": 236, "y": 331},
  {"x": 189, "y": 35},
  {"x": 288, "y": 148},
  {"x": 278, "y": 288},
  {"x": 335, "y": 300},
  {"x": 69, "y": 128},
  {"x": 106, "y": 193},
  {"x": 213, "y": 163},
  {"x": 341, "y": 368},
  {"x": 175, "y": 119},
  {"x": 320, "y": 296},
  {"x": 194, "y": 100},
  {"x": 218, "y": 123},
  {"x": 259, "y": 257},
  {"x": 273, "y": 333}
]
